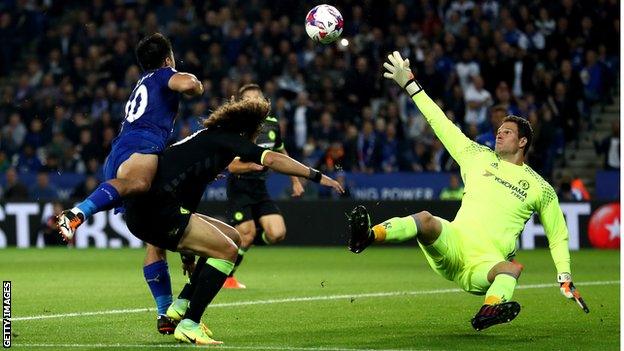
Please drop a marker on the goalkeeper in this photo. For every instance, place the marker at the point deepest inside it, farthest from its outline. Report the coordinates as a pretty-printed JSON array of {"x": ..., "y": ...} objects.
[{"x": 501, "y": 193}]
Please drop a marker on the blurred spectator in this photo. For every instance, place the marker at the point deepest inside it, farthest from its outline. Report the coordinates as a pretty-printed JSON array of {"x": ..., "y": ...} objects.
[
  {"x": 332, "y": 159},
  {"x": 350, "y": 159},
  {"x": 455, "y": 191},
  {"x": 466, "y": 70},
  {"x": 579, "y": 189},
  {"x": 565, "y": 193},
  {"x": 429, "y": 73},
  {"x": 43, "y": 190},
  {"x": 592, "y": 78},
  {"x": 4, "y": 162},
  {"x": 14, "y": 133},
  {"x": 368, "y": 149},
  {"x": 545, "y": 146},
  {"x": 421, "y": 157},
  {"x": 565, "y": 112},
  {"x": 301, "y": 119},
  {"x": 572, "y": 189},
  {"x": 610, "y": 147},
  {"x": 85, "y": 188},
  {"x": 497, "y": 114},
  {"x": 477, "y": 102},
  {"x": 504, "y": 98},
  {"x": 36, "y": 136},
  {"x": 325, "y": 132},
  {"x": 440, "y": 159},
  {"x": 27, "y": 160},
  {"x": 87, "y": 148},
  {"x": 571, "y": 81},
  {"x": 14, "y": 189},
  {"x": 361, "y": 83},
  {"x": 390, "y": 150}
]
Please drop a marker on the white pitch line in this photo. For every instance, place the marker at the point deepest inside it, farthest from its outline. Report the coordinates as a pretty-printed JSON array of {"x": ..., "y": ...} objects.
[
  {"x": 153, "y": 346},
  {"x": 300, "y": 299}
]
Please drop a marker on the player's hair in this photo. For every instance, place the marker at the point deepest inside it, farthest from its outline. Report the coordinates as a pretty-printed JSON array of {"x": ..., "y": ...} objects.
[
  {"x": 524, "y": 130},
  {"x": 243, "y": 117},
  {"x": 248, "y": 87},
  {"x": 152, "y": 51}
]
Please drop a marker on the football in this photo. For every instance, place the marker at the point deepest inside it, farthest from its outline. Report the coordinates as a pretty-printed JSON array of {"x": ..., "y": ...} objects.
[{"x": 324, "y": 24}]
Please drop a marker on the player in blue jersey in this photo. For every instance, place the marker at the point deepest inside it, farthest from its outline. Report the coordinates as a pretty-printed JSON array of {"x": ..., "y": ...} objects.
[
  {"x": 132, "y": 163},
  {"x": 150, "y": 112}
]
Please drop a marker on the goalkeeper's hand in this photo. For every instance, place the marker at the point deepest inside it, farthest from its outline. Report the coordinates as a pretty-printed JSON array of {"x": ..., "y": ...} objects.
[
  {"x": 569, "y": 290},
  {"x": 399, "y": 70}
]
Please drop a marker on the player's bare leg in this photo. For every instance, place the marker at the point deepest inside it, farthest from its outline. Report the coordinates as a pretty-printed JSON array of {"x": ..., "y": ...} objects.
[
  {"x": 179, "y": 306},
  {"x": 203, "y": 238},
  {"x": 497, "y": 308},
  {"x": 274, "y": 228},
  {"x": 134, "y": 176}
]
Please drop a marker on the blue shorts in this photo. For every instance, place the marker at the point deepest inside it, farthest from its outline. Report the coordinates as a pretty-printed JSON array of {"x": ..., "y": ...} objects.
[{"x": 125, "y": 146}]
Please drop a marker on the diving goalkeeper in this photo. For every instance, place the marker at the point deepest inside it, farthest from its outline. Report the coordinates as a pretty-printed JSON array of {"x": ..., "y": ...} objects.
[{"x": 476, "y": 249}]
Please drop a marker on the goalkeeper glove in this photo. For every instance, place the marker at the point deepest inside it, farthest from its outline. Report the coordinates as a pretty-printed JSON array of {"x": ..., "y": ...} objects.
[
  {"x": 399, "y": 71},
  {"x": 569, "y": 290}
]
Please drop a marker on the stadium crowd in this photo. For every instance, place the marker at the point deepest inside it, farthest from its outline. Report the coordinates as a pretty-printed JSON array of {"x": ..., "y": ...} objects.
[{"x": 63, "y": 94}]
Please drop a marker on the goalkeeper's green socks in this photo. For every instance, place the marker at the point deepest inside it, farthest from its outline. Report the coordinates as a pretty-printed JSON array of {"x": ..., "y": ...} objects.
[
  {"x": 395, "y": 229},
  {"x": 501, "y": 289}
]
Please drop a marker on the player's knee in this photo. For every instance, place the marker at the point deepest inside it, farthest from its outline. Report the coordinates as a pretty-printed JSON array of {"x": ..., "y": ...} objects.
[
  {"x": 425, "y": 220},
  {"x": 141, "y": 185},
  {"x": 236, "y": 237},
  {"x": 246, "y": 240},
  {"x": 516, "y": 268},
  {"x": 154, "y": 254},
  {"x": 510, "y": 268},
  {"x": 230, "y": 252}
]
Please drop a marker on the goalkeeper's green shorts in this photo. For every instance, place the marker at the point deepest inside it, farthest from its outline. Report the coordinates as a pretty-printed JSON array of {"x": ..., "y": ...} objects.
[{"x": 455, "y": 257}]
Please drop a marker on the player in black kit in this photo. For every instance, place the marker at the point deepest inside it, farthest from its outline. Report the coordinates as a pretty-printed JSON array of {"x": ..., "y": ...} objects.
[
  {"x": 165, "y": 216},
  {"x": 249, "y": 203}
]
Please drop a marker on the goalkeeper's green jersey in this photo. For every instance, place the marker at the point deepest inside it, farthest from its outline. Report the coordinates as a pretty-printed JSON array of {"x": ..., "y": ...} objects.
[{"x": 499, "y": 196}]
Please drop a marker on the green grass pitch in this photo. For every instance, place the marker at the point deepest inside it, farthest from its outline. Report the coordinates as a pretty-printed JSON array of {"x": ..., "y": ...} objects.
[{"x": 317, "y": 299}]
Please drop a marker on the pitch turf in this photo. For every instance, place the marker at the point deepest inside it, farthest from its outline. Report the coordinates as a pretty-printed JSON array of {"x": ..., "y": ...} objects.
[{"x": 384, "y": 298}]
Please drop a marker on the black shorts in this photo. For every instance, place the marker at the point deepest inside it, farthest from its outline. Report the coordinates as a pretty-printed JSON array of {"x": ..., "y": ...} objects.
[
  {"x": 161, "y": 224},
  {"x": 248, "y": 199}
]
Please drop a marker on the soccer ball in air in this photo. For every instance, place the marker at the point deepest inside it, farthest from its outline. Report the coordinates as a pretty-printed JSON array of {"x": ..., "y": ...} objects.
[{"x": 324, "y": 24}]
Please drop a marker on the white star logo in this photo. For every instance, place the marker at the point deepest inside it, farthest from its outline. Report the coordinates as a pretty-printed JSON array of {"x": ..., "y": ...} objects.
[{"x": 614, "y": 229}]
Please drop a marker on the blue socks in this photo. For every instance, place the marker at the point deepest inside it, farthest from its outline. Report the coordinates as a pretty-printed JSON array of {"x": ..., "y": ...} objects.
[
  {"x": 104, "y": 197},
  {"x": 157, "y": 278}
]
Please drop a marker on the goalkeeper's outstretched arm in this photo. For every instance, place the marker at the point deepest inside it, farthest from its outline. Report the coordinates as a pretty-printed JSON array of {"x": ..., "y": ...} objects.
[
  {"x": 557, "y": 234},
  {"x": 453, "y": 139}
]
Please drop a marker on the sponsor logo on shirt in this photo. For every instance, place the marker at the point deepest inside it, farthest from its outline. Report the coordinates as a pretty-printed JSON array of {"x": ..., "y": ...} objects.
[{"x": 516, "y": 191}]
